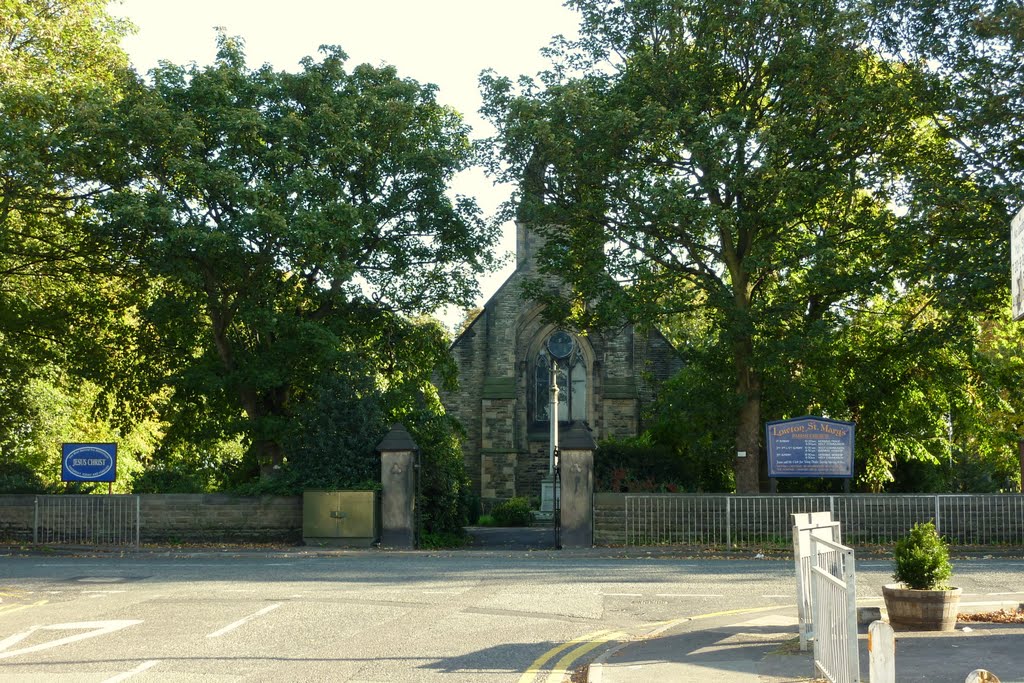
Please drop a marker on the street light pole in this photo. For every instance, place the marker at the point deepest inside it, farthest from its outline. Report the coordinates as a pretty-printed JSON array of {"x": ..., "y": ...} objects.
[{"x": 553, "y": 418}]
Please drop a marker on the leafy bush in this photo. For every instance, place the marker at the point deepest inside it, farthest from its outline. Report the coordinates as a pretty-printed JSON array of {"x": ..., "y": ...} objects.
[
  {"x": 473, "y": 506},
  {"x": 17, "y": 477},
  {"x": 166, "y": 480},
  {"x": 444, "y": 539},
  {"x": 513, "y": 512},
  {"x": 640, "y": 464},
  {"x": 921, "y": 559},
  {"x": 335, "y": 435}
]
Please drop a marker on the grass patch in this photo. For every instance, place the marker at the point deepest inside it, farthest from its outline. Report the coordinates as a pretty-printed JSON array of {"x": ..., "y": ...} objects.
[{"x": 789, "y": 647}]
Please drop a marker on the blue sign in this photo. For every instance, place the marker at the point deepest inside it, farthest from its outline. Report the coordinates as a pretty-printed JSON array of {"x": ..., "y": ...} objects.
[
  {"x": 89, "y": 462},
  {"x": 810, "y": 447}
]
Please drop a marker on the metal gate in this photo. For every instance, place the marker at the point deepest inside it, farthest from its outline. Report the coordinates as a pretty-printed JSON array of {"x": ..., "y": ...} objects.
[{"x": 110, "y": 520}]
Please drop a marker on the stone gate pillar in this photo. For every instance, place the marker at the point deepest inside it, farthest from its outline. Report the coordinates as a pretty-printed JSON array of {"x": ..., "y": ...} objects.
[
  {"x": 398, "y": 463},
  {"x": 576, "y": 494}
]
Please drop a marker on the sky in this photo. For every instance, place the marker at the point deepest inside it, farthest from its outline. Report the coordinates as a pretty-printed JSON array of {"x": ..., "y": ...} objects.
[{"x": 445, "y": 42}]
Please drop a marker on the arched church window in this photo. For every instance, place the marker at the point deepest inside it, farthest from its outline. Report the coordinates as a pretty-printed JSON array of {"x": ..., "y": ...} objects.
[{"x": 561, "y": 350}]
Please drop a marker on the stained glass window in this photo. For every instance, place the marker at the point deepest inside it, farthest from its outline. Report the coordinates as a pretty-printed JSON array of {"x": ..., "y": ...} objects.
[{"x": 562, "y": 349}]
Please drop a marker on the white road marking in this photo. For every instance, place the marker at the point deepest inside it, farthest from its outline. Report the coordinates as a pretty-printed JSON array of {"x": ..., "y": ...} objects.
[
  {"x": 622, "y": 595},
  {"x": 689, "y": 595},
  {"x": 776, "y": 596},
  {"x": 91, "y": 630},
  {"x": 232, "y": 626},
  {"x": 137, "y": 670}
]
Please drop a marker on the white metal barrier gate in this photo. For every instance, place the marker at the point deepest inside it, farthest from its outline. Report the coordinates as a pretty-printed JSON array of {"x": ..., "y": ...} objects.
[
  {"x": 804, "y": 525},
  {"x": 87, "y": 520},
  {"x": 834, "y": 608}
]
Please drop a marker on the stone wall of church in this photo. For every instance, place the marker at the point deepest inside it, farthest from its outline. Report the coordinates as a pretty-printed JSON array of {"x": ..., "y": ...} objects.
[{"x": 506, "y": 450}]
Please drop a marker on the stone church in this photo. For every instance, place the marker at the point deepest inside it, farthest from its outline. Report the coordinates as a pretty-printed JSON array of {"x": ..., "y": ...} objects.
[{"x": 504, "y": 358}]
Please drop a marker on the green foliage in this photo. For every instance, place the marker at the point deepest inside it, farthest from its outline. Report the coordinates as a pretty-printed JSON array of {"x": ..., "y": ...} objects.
[
  {"x": 287, "y": 223},
  {"x": 486, "y": 520},
  {"x": 762, "y": 169},
  {"x": 472, "y": 505},
  {"x": 921, "y": 559},
  {"x": 443, "y": 480},
  {"x": 17, "y": 477},
  {"x": 430, "y": 540},
  {"x": 55, "y": 409},
  {"x": 336, "y": 433},
  {"x": 60, "y": 66},
  {"x": 634, "y": 465},
  {"x": 155, "y": 480},
  {"x": 512, "y": 512}
]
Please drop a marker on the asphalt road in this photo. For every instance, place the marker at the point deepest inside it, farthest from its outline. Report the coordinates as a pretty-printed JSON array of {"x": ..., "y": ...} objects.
[{"x": 379, "y": 616}]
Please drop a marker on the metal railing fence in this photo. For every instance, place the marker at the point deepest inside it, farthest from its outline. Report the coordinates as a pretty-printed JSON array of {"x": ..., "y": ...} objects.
[
  {"x": 743, "y": 520},
  {"x": 834, "y": 607},
  {"x": 112, "y": 520}
]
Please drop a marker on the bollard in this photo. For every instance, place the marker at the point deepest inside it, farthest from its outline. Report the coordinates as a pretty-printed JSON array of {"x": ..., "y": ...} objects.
[
  {"x": 881, "y": 653},
  {"x": 981, "y": 676}
]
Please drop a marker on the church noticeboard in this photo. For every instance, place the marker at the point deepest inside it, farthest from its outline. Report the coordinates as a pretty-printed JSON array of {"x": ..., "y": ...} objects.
[{"x": 810, "y": 447}]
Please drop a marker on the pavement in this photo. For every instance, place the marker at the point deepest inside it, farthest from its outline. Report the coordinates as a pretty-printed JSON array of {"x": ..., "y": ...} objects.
[{"x": 762, "y": 646}]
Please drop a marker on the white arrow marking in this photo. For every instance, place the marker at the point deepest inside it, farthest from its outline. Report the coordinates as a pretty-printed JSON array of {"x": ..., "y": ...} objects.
[{"x": 91, "y": 630}]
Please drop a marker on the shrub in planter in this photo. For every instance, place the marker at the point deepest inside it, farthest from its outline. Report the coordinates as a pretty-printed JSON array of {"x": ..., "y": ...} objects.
[
  {"x": 921, "y": 559},
  {"x": 922, "y": 600},
  {"x": 513, "y": 512}
]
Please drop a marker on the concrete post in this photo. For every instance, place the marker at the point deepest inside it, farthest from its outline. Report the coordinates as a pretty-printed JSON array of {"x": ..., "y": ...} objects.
[
  {"x": 576, "y": 474},
  {"x": 881, "y": 653},
  {"x": 398, "y": 463}
]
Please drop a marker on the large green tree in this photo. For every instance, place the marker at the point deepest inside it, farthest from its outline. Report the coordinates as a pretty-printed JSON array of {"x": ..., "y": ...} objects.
[
  {"x": 283, "y": 219},
  {"x": 765, "y": 163}
]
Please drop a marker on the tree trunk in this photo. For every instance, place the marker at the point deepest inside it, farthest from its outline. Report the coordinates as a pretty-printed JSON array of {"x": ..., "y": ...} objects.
[
  {"x": 260, "y": 408},
  {"x": 270, "y": 456},
  {"x": 747, "y": 467}
]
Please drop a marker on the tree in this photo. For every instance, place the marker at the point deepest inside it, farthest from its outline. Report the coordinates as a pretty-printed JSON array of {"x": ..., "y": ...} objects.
[
  {"x": 283, "y": 219},
  {"x": 972, "y": 51},
  {"x": 60, "y": 64},
  {"x": 763, "y": 163}
]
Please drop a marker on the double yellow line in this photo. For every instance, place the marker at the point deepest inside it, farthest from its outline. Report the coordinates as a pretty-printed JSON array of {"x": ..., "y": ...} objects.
[
  {"x": 580, "y": 646},
  {"x": 588, "y": 642}
]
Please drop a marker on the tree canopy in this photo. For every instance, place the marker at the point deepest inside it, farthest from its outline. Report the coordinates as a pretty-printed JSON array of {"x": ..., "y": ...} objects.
[
  {"x": 280, "y": 219},
  {"x": 769, "y": 165},
  {"x": 60, "y": 65}
]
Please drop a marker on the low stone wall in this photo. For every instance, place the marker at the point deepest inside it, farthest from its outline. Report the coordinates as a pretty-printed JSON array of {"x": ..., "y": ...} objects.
[
  {"x": 180, "y": 517},
  {"x": 186, "y": 518},
  {"x": 16, "y": 515},
  {"x": 610, "y": 519}
]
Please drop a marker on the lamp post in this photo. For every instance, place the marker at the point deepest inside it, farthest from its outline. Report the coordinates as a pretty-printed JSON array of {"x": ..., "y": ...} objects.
[
  {"x": 553, "y": 414},
  {"x": 560, "y": 346}
]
